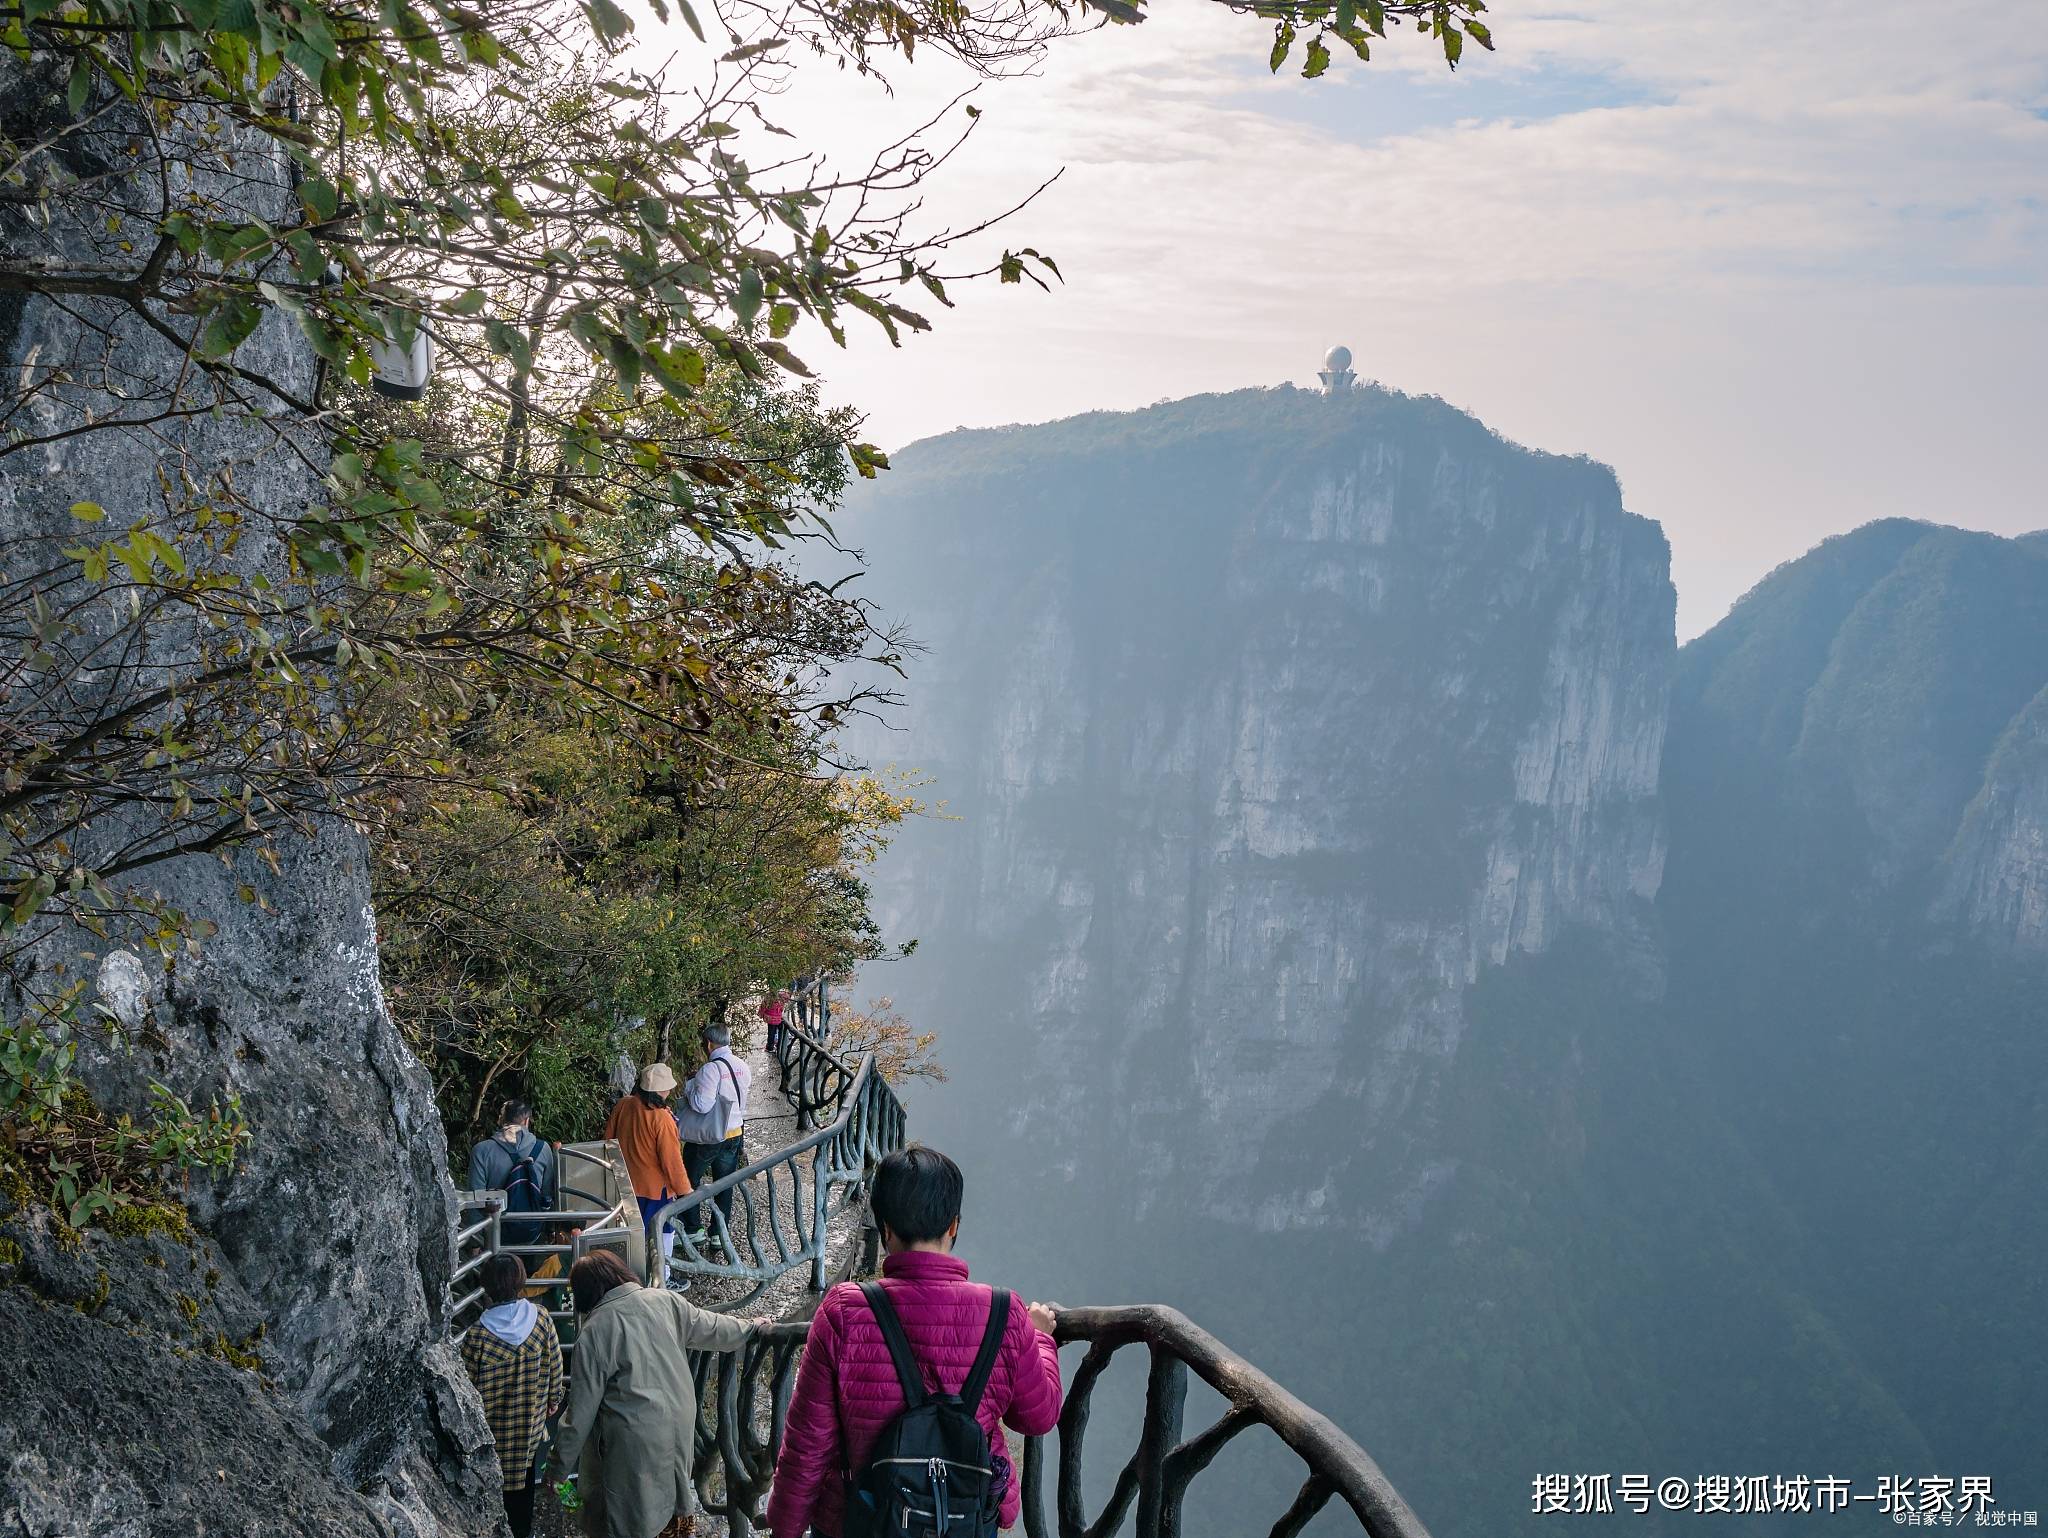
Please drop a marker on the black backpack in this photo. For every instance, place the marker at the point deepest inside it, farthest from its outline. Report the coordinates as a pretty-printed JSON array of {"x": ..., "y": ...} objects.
[
  {"x": 929, "y": 1474},
  {"x": 525, "y": 1190},
  {"x": 527, "y": 1182}
]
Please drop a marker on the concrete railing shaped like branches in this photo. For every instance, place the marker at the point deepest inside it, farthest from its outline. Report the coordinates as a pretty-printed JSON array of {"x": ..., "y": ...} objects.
[
  {"x": 784, "y": 1205},
  {"x": 1155, "y": 1480},
  {"x": 814, "y": 1080},
  {"x": 743, "y": 1403}
]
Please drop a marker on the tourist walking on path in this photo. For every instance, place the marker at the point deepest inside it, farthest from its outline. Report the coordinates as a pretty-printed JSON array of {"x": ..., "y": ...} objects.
[
  {"x": 631, "y": 1425},
  {"x": 771, "y": 1011},
  {"x": 516, "y": 1162},
  {"x": 847, "y": 1390},
  {"x": 515, "y": 1360},
  {"x": 645, "y": 1130},
  {"x": 712, "y": 1118}
]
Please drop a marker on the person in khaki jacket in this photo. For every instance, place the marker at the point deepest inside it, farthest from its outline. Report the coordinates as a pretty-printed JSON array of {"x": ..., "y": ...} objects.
[{"x": 631, "y": 1425}]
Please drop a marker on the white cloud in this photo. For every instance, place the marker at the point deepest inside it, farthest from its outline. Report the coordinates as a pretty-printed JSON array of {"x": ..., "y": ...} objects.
[{"x": 1781, "y": 267}]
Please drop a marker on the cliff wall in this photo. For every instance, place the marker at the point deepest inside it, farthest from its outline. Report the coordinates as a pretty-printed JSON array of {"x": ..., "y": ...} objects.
[
  {"x": 324, "y": 1260},
  {"x": 1354, "y": 924},
  {"x": 1270, "y": 720}
]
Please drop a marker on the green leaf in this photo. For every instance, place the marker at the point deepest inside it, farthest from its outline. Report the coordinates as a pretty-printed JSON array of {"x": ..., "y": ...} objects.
[
  {"x": 746, "y": 303},
  {"x": 1317, "y": 61},
  {"x": 1283, "y": 40},
  {"x": 625, "y": 361},
  {"x": 690, "y": 18},
  {"x": 80, "y": 86},
  {"x": 1454, "y": 45},
  {"x": 228, "y": 327},
  {"x": 88, "y": 512},
  {"x": 471, "y": 301},
  {"x": 320, "y": 335},
  {"x": 607, "y": 20},
  {"x": 320, "y": 198},
  {"x": 313, "y": 31}
]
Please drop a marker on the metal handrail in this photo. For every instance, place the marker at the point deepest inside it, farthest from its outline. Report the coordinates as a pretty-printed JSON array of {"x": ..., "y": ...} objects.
[
  {"x": 743, "y": 1405},
  {"x": 599, "y": 1227},
  {"x": 789, "y": 1197}
]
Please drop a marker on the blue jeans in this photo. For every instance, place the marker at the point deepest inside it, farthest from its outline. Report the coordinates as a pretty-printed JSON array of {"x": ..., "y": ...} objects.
[
  {"x": 649, "y": 1206},
  {"x": 706, "y": 1162}
]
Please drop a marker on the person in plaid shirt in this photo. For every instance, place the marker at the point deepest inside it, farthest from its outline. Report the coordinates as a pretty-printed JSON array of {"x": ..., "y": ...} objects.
[{"x": 514, "y": 1357}]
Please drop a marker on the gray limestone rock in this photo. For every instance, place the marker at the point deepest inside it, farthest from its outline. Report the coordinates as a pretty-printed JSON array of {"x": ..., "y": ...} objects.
[
  {"x": 1330, "y": 703},
  {"x": 334, "y": 1232}
]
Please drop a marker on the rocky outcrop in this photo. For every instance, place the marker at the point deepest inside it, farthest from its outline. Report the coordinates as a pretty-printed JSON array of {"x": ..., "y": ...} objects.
[
  {"x": 333, "y": 1235},
  {"x": 1994, "y": 878},
  {"x": 100, "y": 1334},
  {"x": 1853, "y": 915},
  {"x": 1270, "y": 720}
]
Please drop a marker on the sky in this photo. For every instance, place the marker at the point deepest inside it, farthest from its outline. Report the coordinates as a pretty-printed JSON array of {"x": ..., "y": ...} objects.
[{"x": 1784, "y": 268}]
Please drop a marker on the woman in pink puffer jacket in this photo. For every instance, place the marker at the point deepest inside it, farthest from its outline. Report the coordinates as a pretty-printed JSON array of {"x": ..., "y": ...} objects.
[{"x": 846, "y": 1389}]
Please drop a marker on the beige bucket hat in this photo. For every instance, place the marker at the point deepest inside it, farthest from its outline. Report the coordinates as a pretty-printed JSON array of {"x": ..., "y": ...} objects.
[{"x": 657, "y": 1078}]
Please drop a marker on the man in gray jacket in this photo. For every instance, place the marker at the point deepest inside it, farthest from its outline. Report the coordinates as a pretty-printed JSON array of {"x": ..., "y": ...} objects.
[{"x": 516, "y": 1162}]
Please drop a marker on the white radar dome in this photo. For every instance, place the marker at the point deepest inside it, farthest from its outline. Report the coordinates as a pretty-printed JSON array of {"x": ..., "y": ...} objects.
[{"x": 1337, "y": 359}]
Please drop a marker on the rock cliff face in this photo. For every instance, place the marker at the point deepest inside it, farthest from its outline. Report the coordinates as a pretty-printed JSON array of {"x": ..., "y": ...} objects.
[
  {"x": 1271, "y": 720},
  {"x": 333, "y": 1236},
  {"x": 1856, "y": 784},
  {"x": 1867, "y": 722},
  {"x": 1356, "y": 962},
  {"x": 1994, "y": 876}
]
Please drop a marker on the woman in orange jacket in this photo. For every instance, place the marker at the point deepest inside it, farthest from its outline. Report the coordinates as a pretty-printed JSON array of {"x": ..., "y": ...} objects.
[{"x": 645, "y": 1129}]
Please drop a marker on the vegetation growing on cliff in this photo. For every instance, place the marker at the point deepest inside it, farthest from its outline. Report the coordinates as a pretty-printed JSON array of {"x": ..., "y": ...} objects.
[
  {"x": 61, "y": 1150},
  {"x": 588, "y": 902},
  {"x": 586, "y": 245}
]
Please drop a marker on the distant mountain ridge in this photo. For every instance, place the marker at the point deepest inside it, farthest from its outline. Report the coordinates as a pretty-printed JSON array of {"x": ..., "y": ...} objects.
[
  {"x": 1348, "y": 860},
  {"x": 1885, "y": 667},
  {"x": 1856, "y": 920}
]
